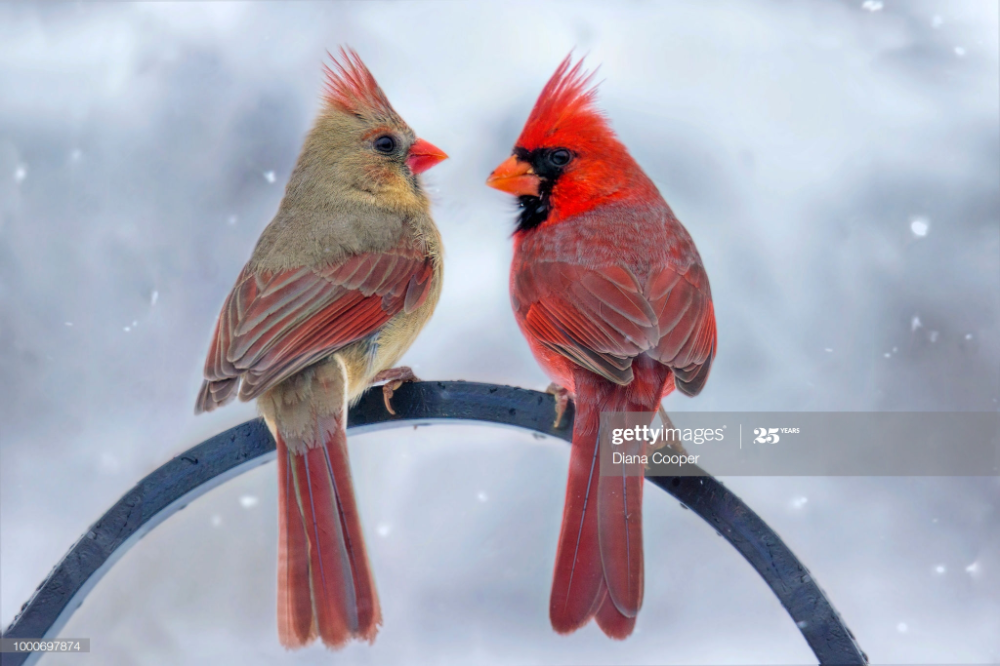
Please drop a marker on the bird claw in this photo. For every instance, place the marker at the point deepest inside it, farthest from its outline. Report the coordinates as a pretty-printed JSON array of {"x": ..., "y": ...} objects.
[
  {"x": 562, "y": 401},
  {"x": 393, "y": 378},
  {"x": 667, "y": 423}
]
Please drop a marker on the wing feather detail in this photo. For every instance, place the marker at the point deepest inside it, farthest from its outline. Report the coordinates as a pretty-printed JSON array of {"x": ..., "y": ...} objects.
[
  {"x": 275, "y": 324},
  {"x": 603, "y": 317}
]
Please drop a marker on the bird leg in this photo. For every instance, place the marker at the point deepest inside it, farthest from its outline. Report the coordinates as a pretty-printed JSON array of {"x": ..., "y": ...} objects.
[
  {"x": 393, "y": 378},
  {"x": 562, "y": 401},
  {"x": 667, "y": 423}
]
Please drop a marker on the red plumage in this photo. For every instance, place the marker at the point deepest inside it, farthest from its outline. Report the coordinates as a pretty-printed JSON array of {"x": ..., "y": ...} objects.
[
  {"x": 564, "y": 106},
  {"x": 610, "y": 293},
  {"x": 351, "y": 88},
  {"x": 325, "y": 552}
]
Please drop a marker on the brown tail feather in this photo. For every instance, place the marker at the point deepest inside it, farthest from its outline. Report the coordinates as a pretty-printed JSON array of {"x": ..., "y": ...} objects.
[{"x": 326, "y": 540}]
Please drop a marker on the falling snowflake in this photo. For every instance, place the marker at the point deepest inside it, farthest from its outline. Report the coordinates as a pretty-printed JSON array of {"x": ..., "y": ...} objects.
[
  {"x": 872, "y": 5},
  {"x": 248, "y": 501},
  {"x": 20, "y": 173},
  {"x": 482, "y": 496},
  {"x": 915, "y": 323},
  {"x": 960, "y": 51},
  {"x": 383, "y": 529},
  {"x": 269, "y": 176},
  {"x": 920, "y": 226}
]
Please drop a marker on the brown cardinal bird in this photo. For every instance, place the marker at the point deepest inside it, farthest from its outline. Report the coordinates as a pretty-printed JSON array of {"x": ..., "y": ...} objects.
[
  {"x": 609, "y": 290},
  {"x": 338, "y": 287}
]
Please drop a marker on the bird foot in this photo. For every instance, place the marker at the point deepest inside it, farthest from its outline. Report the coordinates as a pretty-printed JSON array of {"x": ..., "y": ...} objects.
[
  {"x": 393, "y": 378},
  {"x": 562, "y": 401},
  {"x": 667, "y": 423}
]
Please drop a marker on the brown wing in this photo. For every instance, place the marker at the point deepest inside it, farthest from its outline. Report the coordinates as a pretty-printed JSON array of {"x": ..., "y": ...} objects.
[{"x": 275, "y": 324}]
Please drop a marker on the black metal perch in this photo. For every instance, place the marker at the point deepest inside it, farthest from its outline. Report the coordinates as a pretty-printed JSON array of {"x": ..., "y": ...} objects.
[{"x": 193, "y": 473}]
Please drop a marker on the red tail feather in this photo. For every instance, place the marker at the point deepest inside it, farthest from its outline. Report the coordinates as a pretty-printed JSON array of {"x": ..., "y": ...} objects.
[
  {"x": 599, "y": 561},
  {"x": 325, "y": 583},
  {"x": 295, "y": 617},
  {"x": 619, "y": 510},
  {"x": 579, "y": 579},
  {"x": 612, "y": 622}
]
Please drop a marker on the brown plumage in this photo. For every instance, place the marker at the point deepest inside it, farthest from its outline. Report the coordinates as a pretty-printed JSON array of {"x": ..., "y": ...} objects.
[{"x": 339, "y": 285}]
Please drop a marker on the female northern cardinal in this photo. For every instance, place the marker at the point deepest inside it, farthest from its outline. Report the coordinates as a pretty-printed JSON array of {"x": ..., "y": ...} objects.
[
  {"x": 610, "y": 292},
  {"x": 338, "y": 287}
]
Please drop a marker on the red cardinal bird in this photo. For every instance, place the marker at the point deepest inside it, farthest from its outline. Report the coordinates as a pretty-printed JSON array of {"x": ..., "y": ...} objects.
[
  {"x": 338, "y": 287},
  {"x": 609, "y": 289}
]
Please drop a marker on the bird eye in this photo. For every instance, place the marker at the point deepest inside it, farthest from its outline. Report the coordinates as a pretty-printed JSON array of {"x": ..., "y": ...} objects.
[
  {"x": 385, "y": 144},
  {"x": 560, "y": 157}
]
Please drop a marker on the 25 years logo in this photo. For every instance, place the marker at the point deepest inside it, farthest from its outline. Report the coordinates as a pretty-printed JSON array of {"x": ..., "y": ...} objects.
[
  {"x": 766, "y": 436},
  {"x": 771, "y": 435}
]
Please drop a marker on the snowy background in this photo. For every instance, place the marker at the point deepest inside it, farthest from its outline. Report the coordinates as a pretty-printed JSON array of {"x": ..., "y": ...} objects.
[{"x": 836, "y": 162}]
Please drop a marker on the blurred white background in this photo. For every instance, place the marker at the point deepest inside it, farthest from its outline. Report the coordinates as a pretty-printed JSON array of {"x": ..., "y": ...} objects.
[{"x": 836, "y": 162}]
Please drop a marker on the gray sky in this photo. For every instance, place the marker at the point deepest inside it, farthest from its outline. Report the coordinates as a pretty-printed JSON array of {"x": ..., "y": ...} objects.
[{"x": 837, "y": 164}]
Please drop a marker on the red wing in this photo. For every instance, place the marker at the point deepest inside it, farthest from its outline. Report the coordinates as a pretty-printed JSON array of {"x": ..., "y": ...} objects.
[
  {"x": 686, "y": 317},
  {"x": 601, "y": 318},
  {"x": 275, "y": 324},
  {"x": 597, "y": 318}
]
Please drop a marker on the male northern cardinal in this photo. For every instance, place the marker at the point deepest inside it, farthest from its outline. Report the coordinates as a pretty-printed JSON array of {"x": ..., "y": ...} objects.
[
  {"x": 338, "y": 287},
  {"x": 609, "y": 290}
]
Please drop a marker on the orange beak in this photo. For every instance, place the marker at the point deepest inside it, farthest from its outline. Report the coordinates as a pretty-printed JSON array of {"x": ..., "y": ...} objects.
[
  {"x": 423, "y": 155},
  {"x": 515, "y": 177}
]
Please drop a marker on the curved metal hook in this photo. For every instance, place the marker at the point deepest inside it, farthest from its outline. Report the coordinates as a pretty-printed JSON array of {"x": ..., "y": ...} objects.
[{"x": 173, "y": 485}]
